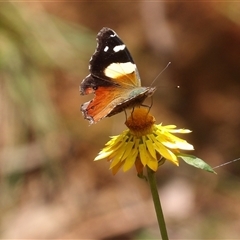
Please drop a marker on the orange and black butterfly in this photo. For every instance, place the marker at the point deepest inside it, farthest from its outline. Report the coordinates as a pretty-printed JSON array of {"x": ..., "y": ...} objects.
[{"x": 113, "y": 78}]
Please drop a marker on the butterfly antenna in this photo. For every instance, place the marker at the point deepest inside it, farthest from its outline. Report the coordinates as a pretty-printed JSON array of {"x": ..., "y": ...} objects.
[
  {"x": 221, "y": 165},
  {"x": 159, "y": 74}
]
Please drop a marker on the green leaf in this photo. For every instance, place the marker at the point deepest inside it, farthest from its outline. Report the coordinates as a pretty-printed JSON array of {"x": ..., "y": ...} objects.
[{"x": 195, "y": 162}]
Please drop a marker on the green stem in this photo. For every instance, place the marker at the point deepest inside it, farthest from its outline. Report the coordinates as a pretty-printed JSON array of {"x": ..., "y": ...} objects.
[{"x": 157, "y": 204}]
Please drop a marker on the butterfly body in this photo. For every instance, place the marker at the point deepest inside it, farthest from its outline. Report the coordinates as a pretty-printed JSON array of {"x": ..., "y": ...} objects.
[{"x": 113, "y": 78}]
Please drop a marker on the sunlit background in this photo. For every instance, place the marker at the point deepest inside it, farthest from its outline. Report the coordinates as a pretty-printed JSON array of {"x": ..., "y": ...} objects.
[{"x": 49, "y": 185}]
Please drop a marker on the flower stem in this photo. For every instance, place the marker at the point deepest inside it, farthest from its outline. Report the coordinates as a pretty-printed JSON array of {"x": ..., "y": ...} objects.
[{"x": 157, "y": 204}]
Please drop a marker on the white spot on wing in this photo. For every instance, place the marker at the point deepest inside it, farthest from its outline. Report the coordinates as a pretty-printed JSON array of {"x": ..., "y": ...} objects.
[
  {"x": 116, "y": 70},
  {"x": 119, "y": 48},
  {"x": 106, "y": 49}
]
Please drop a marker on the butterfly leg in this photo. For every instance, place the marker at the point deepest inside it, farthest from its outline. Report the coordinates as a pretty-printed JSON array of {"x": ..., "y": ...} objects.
[
  {"x": 125, "y": 113},
  {"x": 147, "y": 106},
  {"x": 132, "y": 112}
]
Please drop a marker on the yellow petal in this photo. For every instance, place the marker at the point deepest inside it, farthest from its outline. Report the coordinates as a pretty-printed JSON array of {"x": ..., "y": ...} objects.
[
  {"x": 171, "y": 139},
  {"x": 143, "y": 154},
  {"x": 170, "y": 128},
  {"x": 174, "y": 138},
  {"x": 180, "y": 130},
  {"x": 128, "y": 150},
  {"x": 118, "y": 156},
  {"x": 129, "y": 162},
  {"x": 117, "y": 145},
  {"x": 103, "y": 155},
  {"x": 166, "y": 153},
  {"x": 151, "y": 161},
  {"x": 179, "y": 145},
  {"x": 151, "y": 149},
  {"x": 133, "y": 155},
  {"x": 116, "y": 168},
  {"x": 109, "y": 150},
  {"x": 167, "y": 126},
  {"x": 114, "y": 140},
  {"x": 114, "y": 162},
  {"x": 153, "y": 165}
]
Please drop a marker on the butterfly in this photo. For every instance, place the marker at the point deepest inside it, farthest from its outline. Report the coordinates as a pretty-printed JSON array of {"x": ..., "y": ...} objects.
[{"x": 113, "y": 78}]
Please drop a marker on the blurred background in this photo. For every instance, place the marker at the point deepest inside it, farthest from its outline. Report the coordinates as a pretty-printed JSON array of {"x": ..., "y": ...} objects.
[{"x": 50, "y": 188}]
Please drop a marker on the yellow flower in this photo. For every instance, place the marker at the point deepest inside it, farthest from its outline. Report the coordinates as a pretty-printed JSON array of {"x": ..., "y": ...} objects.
[{"x": 143, "y": 144}]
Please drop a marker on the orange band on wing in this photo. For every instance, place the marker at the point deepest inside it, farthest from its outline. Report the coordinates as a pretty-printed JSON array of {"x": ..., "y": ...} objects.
[{"x": 103, "y": 102}]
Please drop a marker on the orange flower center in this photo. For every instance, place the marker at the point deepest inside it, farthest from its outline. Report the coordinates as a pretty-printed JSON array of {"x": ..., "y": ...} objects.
[{"x": 140, "y": 122}]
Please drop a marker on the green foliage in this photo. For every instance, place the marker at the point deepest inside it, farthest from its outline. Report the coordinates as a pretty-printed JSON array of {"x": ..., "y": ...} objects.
[
  {"x": 195, "y": 162},
  {"x": 34, "y": 46}
]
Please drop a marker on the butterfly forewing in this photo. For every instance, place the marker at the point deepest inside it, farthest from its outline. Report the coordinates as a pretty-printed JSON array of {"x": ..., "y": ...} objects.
[{"x": 113, "y": 60}]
